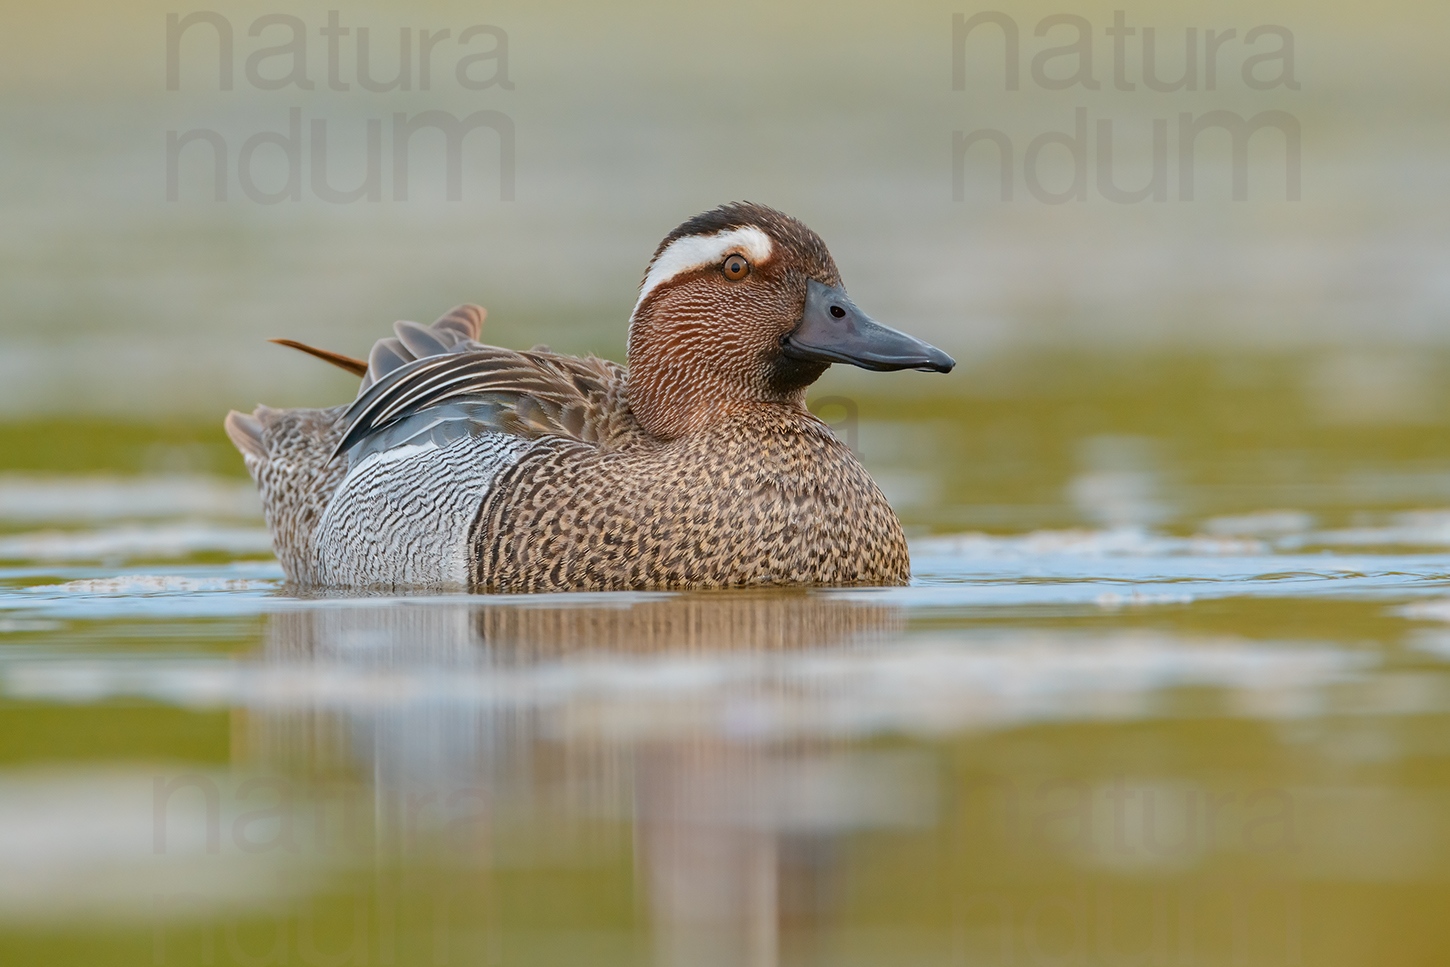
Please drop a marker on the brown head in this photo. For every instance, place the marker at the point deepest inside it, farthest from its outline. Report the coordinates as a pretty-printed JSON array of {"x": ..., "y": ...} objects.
[{"x": 741, "y": 306}]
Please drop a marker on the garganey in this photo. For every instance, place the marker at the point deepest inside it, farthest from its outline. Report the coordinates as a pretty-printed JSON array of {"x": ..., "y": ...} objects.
[{"x": 470, "y": 466}]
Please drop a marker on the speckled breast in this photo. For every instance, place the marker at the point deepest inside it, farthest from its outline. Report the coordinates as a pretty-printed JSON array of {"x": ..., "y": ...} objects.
[{"x": 744, "y": 505}]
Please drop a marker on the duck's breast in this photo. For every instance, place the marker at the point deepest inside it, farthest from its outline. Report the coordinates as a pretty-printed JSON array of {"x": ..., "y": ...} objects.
[{"x": 752, "y": 503}]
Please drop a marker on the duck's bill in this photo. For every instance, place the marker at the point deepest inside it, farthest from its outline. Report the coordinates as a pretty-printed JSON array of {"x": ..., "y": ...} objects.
[{"x": 833, "y": 330}]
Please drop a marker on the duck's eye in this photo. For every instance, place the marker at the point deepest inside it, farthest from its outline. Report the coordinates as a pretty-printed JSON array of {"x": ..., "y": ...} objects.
[{"x": 735, "y": 267}]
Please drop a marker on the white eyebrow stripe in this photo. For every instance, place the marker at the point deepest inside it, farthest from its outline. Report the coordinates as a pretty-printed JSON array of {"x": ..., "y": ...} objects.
[{"x": 696, "y": 251}]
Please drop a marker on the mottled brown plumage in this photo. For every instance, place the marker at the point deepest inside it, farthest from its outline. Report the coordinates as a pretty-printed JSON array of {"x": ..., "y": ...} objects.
[
  {"x": 768, "y": 497},
  {"x": 697, "y": 467}
]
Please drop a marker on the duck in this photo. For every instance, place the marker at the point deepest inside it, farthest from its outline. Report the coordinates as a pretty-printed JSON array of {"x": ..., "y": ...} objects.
[{"x": 695, "y": 466}]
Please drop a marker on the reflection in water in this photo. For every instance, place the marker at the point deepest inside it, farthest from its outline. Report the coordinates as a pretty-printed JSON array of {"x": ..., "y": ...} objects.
[
  {"x": 520, "y": 630},
  {"x": 1056, "y": 747},
  {"x": 734, "y": 836}
]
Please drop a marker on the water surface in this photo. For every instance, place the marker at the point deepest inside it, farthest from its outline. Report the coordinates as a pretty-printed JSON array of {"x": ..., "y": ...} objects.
[{"x": 1126, "y": 721}]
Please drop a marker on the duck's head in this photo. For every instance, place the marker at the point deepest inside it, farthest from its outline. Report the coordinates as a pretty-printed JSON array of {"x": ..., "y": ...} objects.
[{"x": 744, "y": 305}]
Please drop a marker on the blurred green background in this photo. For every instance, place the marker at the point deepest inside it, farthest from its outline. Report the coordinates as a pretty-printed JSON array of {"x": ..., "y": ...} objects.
[
  {"x": 631, "y": 117},
  {"x": 1263, "y": 342}
]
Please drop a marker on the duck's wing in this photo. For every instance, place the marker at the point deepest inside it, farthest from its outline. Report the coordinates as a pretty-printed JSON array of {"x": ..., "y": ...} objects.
[
  {"x": 440, "y": 383},
  {"x": 411, "y": 341}
]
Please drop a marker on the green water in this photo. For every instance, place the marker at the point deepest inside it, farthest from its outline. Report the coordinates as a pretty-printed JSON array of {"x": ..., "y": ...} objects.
[{"x": 1170, "y": 687}]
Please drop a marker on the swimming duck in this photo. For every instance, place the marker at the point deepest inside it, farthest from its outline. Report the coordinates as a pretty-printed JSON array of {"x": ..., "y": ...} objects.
[{"x": 698, "y": 466}]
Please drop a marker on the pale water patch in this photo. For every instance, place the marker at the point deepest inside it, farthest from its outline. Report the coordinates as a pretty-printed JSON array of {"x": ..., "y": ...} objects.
[
  {"x": 1418, "y": 528},
  {"x": 152, "y": 584},
  {"x": 920, "y": 684},
  {"x": 117, "y": 545},
  {"x": 1263, "y": 523},
  {"x": 1112, "y": 542},
  {"x": 84, "y": 842},
  {"x": 1293, "y": 530},
  {"x": 34, "y": 498},
  {"x": 115, "y": 520},
  {"x": 1280, "y": 531}
]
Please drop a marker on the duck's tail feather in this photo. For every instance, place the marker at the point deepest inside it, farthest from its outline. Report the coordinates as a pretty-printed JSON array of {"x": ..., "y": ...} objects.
[
  {"x": 286, "y": 452},
  {"x": 411, "y": 341},
  {"x": 245, "y": 432},
  {"x": 358, "y": 367}
]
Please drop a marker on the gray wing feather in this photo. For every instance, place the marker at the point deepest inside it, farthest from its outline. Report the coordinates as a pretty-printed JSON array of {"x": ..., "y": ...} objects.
[
  {"x": 412, "y": 341},
  {"x": 428, "y": 377},
  {"x": 420, "y": 340},
  {"x": 526, "y": 385},
  {"x": 466, "y": 320},
  {"x": 386, "y": 356}
]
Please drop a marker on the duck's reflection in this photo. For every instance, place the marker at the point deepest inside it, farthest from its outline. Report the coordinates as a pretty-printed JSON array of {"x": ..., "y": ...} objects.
[
  {"x": 734, "y": 832},
  {"x": 543, "y": 627}
]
